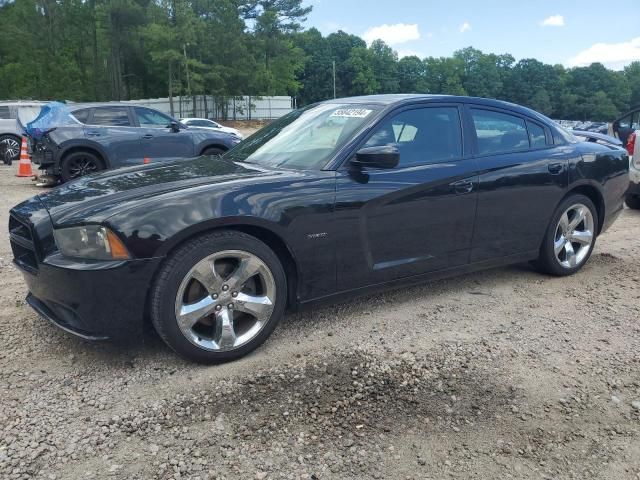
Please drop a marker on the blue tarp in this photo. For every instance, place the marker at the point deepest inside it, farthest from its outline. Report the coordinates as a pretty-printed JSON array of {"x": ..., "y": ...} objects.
[{"x": 52, "y": 115}]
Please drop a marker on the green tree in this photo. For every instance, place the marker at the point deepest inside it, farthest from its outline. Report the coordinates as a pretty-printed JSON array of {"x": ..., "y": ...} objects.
[{"x": 412, "y": 74}]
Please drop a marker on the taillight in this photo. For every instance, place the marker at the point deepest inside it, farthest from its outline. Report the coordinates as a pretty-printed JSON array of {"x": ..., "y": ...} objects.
[{"x": 631, "y": 143}]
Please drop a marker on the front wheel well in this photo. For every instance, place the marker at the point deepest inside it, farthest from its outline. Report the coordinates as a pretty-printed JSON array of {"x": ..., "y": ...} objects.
[
  {"x": 595, "y": 196},
  {"x": 272, "y": 240},
  {"x": 219, "y": 147}
]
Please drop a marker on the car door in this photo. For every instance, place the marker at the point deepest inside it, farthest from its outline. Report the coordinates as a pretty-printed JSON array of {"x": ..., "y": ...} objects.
[
  {"x": 523, "y": 176},
  {"x": 415, "y": 218},
  {"x": 113, "y": 129},
  {"x": 159, "y": 140}
]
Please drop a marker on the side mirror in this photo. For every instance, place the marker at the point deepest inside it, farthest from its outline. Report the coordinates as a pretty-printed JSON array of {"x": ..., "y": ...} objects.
[
  {"x": 174, "y": 126},
  {"x": 383, "y": 156}
]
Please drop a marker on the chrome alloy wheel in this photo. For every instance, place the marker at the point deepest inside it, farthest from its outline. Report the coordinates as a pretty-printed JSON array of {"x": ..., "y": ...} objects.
[
  {"x": 225, "y": 300},
  {"x": 574, "y": 236},
  {"x": 12, "y": 148}
]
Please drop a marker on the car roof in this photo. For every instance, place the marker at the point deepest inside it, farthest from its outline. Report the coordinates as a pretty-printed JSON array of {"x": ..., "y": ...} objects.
[
  {"x": 21, "y": 103},
  {"x": 186, "y": 119},
  {"x": 408, "y": 98}
]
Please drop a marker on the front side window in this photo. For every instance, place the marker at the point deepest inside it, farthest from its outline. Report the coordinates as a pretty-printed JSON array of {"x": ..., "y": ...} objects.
[
  {"x": 148, "y": 118},
  {"x": 537, "y": 138},
  {"x": 422, "y": 135},
  {"x": 111, "y": 116},
  {"x": 499, "y": 132},
  {"x": 304, "y": 139}
]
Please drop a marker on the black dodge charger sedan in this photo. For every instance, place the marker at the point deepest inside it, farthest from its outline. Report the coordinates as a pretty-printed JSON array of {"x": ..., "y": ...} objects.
[{"x": 339, "y": 198}]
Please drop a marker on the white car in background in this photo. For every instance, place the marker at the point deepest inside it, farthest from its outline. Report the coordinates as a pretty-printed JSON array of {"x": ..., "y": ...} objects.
[
  {"x": 633, "y": 194},
  {"x": 206, "y": 123},
  {"x": 10, "y": 131}
]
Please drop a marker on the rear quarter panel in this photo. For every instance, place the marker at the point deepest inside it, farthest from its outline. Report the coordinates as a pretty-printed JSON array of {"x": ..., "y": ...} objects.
[{"x": 607, "y": 169}]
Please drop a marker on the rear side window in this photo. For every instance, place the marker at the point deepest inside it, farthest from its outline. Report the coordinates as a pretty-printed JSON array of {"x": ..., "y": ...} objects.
[
  {"x": 4, "y": 112},
  {"x": 499, "y": 132},
  {"x": 422, "y": 135},
  {"x": 111, "y": 116},
  {"x": 537, "y": 138},
  {"x": 81, "y": 115}
]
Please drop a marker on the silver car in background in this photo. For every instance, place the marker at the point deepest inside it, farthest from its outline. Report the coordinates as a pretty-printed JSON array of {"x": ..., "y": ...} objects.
[{"x": 10, "y": 131}]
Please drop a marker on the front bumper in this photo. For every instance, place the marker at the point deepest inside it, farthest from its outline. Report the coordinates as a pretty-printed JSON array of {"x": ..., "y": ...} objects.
[{"x": 93, "y": 301}]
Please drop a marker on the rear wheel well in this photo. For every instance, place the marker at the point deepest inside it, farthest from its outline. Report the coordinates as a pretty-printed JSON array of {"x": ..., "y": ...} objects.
[
  {"x": 595, "y": 196},
  {"x": 83, "y": 149}
]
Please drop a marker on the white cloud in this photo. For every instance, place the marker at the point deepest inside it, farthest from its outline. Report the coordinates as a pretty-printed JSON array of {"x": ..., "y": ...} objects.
[
  {"x": 553, "y": 21},
  {"x": 612, "y": 55},
  {"x": 393, "y": 34},
  {"x": 465, "y": 27}
]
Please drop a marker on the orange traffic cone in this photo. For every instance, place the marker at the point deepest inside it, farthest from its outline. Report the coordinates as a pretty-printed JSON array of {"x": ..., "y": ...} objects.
[{"x": 24, "y": 167}]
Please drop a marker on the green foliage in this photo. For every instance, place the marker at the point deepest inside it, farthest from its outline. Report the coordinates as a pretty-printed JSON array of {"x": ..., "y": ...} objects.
[{"x": 86, "y": 50}]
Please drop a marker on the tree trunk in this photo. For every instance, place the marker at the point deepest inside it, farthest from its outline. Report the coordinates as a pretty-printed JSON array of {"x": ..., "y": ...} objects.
[{"x": 171, "y": 89}]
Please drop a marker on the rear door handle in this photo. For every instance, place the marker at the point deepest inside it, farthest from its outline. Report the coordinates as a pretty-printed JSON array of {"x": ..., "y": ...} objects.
[
  {"x": 556, "y": 168},
  {"x": 148, "y": 136},
  {"x": 462, "y": 186},
  {"x": 93, "y": 134}
]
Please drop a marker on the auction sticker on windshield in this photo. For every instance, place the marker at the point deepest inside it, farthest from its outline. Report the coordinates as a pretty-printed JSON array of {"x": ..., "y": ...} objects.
[{"x": 351, "y": 112}]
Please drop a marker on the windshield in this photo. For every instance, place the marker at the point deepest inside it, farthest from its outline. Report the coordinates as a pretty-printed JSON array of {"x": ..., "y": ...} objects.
[{"x": 304, "y": 139}]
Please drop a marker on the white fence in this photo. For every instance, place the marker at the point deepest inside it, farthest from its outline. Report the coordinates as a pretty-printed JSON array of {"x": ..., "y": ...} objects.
[{"x": 223, "y": 108}]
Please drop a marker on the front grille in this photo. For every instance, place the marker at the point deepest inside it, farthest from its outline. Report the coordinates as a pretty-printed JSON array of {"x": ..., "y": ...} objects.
[{"x": 24, "y": 251}]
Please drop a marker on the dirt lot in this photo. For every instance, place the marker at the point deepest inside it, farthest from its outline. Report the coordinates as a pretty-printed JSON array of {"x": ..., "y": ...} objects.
[{"x": 500, "y": 374}]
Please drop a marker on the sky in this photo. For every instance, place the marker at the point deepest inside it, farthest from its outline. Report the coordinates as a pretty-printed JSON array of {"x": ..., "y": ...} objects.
[{"x": 572, "y": 33}]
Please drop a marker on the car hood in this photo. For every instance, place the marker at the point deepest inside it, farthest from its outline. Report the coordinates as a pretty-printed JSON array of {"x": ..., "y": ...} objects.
[{"x": 95, "y": 197}]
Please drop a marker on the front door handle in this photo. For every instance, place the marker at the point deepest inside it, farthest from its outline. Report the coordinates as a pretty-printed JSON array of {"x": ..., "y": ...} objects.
[
  {"x": 462, "y": 186},
  {"x": 93, "y": 134},
  {"x": 556, "y": 168},
  {"x": 148, "y": 136}
]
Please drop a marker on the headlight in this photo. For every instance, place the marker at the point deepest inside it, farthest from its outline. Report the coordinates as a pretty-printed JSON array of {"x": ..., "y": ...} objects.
[{"x": 91, "y": 242}]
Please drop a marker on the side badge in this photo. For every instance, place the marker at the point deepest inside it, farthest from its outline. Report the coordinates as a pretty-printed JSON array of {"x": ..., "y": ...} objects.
[{"x": 313, "y": 236}]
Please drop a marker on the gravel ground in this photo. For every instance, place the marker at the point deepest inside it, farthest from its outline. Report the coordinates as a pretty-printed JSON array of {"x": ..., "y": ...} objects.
[{"x": 499, "y": 374}]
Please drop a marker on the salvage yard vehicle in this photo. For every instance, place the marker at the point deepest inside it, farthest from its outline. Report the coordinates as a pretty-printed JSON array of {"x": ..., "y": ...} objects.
[
  {"x": 340, "y": 198},
  {"x": 633, "y": 147},
  {"x": 10, "y": 133},
  {"x": 206, "y": 123},
  {"x": 112, "y": 135},
  {"x": 625, "y": 125}
]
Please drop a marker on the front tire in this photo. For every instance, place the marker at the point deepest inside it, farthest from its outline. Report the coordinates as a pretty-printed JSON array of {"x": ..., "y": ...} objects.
[
  {"x": 11, "y": 151},
  {"x": 79, "y": 164},
  {"x": 570, "y": 237},
  {"x": 218, "y": 297},
  {"x": 633, "y": 201},
  {"x": 213, "y": 151}
]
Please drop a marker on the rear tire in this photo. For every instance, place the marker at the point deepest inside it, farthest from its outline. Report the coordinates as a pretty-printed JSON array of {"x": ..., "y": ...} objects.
[
  {"x": 79, "y": 164},
  {"x": 218, "y": 297},
  {"x": 633, "y": 201},
  {"x": 213, "y": 151},
  {"x": 570, "y": 237}
]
